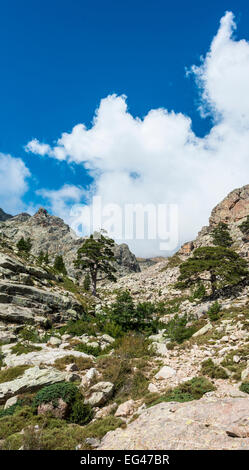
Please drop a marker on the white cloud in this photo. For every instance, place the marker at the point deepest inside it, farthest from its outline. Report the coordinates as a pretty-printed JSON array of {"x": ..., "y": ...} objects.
[
  {"x": 60, "y": 200},
  {"x": 13, "y": 183},
  {"x": 172, "y": 164}
]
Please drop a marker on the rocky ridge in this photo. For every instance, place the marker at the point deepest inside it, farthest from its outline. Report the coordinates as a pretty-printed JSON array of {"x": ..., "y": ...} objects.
[{"x": 52, "y": 235}]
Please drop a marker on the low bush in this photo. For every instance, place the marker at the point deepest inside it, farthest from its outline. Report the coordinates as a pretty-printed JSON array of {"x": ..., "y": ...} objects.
[
  {"x": 51, "y": 394},
  {"x": 177, "y": 329},
  {"x": 193, "y": 389},
  {"x": 82, "y": 363},
  {"x": 131, "y": 346},
  {"x": 12, "y": 373},
  {"x": 11, "y": 409},
  {"x": 79, "y": 328},
  {"x": 88, "y": 349},
  {"x": 244, "y": 387},
  {"x": 212, "y": 370},
  {"x": 21, "y": 348},
  {"x": 214, "y": 311}
]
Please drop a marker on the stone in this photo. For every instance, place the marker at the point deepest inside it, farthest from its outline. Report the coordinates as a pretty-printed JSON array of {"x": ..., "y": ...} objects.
[
  {"x": 31, "y": 380},
  {"x": 160, "y": 349},
  {"x": 165, "y": 372},
  {"x": 203, "y": 330},
  {"x": 108, "y": 339},
  {"x": 47, "y": 356},
  {"x": 10, "y": 402},
  {"x": 60, "y": 410},
  {"x": 89, "y": 377},
  {"x": 125, "y": 409},
  {"x": 100, "y": 393},
  {"x": 54, "y": 341},
  {"x": 106, "y": 411},
  {"x": 245, "y": 373},
  {"x": 236, "y": 359},
  {"x": 152, "y": 388}
]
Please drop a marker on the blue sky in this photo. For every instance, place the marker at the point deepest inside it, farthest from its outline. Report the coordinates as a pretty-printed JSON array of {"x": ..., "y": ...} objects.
[{"x": 60, "y": 58}]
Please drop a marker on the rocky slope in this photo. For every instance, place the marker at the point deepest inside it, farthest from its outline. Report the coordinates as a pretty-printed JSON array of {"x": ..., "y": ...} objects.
[
  {"x": 148, "y": 391},
  {"x": 50, "y": 234}
]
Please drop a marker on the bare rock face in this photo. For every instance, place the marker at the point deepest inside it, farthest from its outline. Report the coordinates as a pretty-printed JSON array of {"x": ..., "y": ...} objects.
[
  {"x": 206, "y": 424},
  {"x": 4, "y": 216},
  {"x": 51, "y": 234},
  {"x": 233, "y": 208}
]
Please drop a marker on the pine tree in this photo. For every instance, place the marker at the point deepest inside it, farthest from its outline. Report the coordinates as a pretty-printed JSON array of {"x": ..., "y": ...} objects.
[
  {"x": 40, "y": 258},
  {"x": 225, "y": 268},
  {"x": 97, "y": 256},
  {"x": 24, "y": 245},
  {"x": 59, "y": 265},
  {"x": 244, "y": 227},
  {"x": 87, "y": 282},
  {"x": 221, "y": 236},
  {"x": 46, "y": 258}
]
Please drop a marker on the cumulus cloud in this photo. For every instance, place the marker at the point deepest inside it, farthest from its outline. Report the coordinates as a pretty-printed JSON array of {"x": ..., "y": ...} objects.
[
  {"x": 13, "y": 183},
  {"x": 159, "y": 159},
  {"x": 60, "y": 201}
]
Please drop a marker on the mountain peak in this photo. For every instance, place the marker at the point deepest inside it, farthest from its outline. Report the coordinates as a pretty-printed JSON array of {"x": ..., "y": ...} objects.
[{"x": 4, "y": 216}]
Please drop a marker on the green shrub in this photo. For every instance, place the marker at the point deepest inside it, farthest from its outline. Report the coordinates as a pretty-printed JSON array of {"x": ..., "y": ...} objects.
[
  {"x": 132, "y": 346},
  {"x": 64, "y": 390},
  {"x": 213, "y": 312},
  {"x": 59, "y": 265},
  {"x": 21, "y": 348},
  {"x": 24, "y": 245},
  {"x": 199, "y": 292},
  {"x": 88, "y": 349},
  {"x": 244, "y": 387},
  {"x": 79, "y": 328},
  {"x": 221, "y": 236},
  {"x": 81, "y": 413},
  {"x": 213, "y": 371},
  {"x": 193, "y": 389},
  {"x": 244, "y": 227},
  {"x": 177, "y": 329},
  {"x": 123, "y": 311},
  {"x": 87, "y": 283},
  {"x": 11, "y": 409}
]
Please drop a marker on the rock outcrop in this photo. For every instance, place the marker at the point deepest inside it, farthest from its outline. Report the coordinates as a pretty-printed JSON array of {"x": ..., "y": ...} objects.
[
  {"x": 4, "y": 216},
  {"x": 232, "y": 210},
  {"x": 50, "y": 234},
  {"x": 32, "y": 379},
  {"x": 206, "y": 424}
]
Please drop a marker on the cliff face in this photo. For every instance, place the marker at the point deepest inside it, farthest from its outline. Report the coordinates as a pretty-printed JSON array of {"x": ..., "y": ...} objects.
[
  {"x": 4, "y": 216},
  {"x": 232, "y": 210},
  {"x": 50, "y": 234}
]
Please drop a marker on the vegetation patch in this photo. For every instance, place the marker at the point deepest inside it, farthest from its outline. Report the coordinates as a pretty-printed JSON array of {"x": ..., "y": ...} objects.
[
  {"x": 244, "y": 387},
  {"x": 177, "y": 329},
  {"x": 212, "y": 370},
  {"x": 12, "y": 373},
  {"x": 193, "y": 389},
  {"x": 82, "y": 363},
  {"x": 21, "y": 348}
]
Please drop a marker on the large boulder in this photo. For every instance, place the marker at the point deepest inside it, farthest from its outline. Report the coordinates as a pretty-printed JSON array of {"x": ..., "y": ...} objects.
[
  {"x": 99, "y": 393},
  {"x": 207, "y": 424},
  {"x": 32, "y": 379}
]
